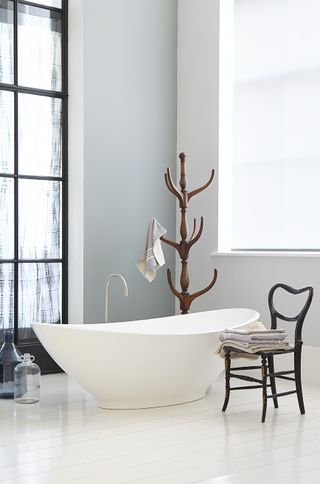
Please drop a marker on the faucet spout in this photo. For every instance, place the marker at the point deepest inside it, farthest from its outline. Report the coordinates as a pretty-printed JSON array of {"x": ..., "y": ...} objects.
[{"x": 107, "y": 283}]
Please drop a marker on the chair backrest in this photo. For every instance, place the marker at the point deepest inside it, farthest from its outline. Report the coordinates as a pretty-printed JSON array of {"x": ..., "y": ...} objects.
[{"x": 299, "y": 319}]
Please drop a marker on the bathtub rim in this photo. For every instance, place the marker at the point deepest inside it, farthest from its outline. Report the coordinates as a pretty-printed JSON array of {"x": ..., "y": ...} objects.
[{"x": 122, "y": 327}]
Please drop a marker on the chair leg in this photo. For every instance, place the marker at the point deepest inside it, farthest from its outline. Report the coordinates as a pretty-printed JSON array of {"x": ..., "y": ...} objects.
[
  {"x": 227, "y": 376},
  {"x": 297, "y": 374},
  {"x": 264, "y": 368},
  {"x": 272, "y": 380}
]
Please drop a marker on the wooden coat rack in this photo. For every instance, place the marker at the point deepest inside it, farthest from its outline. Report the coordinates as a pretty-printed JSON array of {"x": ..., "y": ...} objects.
[{"x": 185, "y": 244}]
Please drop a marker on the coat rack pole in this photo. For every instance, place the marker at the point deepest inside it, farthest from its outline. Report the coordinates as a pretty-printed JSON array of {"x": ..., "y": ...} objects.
[{"x": 185, "y": 245}]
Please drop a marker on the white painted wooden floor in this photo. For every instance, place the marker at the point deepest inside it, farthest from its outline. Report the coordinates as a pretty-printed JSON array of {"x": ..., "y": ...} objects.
[{"x": 66, "y": 438}]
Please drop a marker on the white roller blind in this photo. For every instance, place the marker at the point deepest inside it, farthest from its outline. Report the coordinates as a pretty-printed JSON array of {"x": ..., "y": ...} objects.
[{"x": 276, "y": 125}]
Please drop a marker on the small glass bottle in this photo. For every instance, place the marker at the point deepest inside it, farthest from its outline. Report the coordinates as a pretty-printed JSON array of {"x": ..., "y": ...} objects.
[
  {"x": 9, "y": 358},
  {"x": 27, "y": 380}
]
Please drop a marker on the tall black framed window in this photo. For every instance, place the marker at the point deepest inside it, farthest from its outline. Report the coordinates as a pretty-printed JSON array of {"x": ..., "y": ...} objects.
[{"x": 33, "y": 168}]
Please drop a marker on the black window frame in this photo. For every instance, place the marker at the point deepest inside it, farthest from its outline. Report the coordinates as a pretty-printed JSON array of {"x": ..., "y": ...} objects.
[{"x": 32, "y": 345}]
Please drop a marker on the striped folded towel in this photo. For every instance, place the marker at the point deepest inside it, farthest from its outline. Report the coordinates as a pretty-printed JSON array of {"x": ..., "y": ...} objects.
[
  {"x": 152, "y": 257},
  {"x": 266, "y": 337},
  {"x": 250, "y": 348}
]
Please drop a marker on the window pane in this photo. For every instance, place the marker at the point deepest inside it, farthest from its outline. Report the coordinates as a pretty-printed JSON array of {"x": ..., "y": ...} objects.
[
  {"x": 40, "y": 138},
  {"x": 6, "y": 218},
  {"x": 39, "y": 293},
  {"x": 50, "y": 3},
  {"x": 6, "y": 295},
  {"x": 39, "y": 219},
  {"x": 6, "y": 42},
  {"x": 6, "y": 132},
  {"x": 39, "y": 48},
  {"x": 276, "y": 143}
]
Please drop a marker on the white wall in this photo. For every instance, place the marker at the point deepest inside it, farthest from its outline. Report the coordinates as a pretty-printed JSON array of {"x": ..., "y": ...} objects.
[
  {"x": 130, "y": 104},
  {"x": 198, "y": 126},
  {"x": 242, "y": 280}
]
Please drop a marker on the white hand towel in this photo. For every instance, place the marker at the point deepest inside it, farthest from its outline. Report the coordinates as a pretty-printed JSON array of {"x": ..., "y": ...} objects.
[
  {"x": 152, "y": 257},
  {"x": 257, "y": 328}
]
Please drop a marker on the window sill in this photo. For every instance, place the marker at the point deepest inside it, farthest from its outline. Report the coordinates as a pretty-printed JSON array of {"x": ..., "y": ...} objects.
[{"x": 270, "y": 253}]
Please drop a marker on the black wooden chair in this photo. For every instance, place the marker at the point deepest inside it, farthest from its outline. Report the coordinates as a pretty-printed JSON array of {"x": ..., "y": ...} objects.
[{"x": 267, "y": 358}]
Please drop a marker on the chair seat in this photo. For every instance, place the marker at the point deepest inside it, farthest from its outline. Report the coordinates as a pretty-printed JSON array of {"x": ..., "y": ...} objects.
[{"x": 289, "y": 349}]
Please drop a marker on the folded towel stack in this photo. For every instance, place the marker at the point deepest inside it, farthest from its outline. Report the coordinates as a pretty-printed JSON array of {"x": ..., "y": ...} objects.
[{"x": 255, "y": 338}]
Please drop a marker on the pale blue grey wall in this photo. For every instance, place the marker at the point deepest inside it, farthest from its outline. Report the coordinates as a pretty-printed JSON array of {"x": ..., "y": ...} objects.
[{"x": 130, "y": 102}]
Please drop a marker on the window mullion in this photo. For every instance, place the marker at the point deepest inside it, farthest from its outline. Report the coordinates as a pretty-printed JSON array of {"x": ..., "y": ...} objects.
[
  {"x": 15, "y": 43},
  {"x": 64, "y": 248},
  {"x": 16, "y": 220},
  {"x": 16, "y": 168}
]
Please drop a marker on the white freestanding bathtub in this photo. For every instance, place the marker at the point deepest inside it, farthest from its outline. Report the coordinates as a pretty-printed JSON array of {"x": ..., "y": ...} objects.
[{"x": 139, "y": 364}]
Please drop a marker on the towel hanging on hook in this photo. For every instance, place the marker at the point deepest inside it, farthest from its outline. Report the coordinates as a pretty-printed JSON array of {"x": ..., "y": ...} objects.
[{"x": 152, "y": 257}]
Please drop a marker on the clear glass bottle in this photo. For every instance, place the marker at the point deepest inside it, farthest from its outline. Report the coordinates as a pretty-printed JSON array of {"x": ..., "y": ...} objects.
[
  {"x": 27, "y": 380},
  {"x": 9, "y": 359}
]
